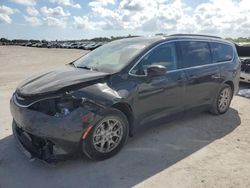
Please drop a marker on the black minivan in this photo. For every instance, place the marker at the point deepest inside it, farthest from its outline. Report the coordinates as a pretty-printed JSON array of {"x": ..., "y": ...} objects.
[{"x": 94, "y": 103}]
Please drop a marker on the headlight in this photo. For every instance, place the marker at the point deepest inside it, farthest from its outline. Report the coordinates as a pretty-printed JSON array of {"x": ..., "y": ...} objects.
[
  {"x": 66, "y": 106},
  {"x": 63, "y": 106}
]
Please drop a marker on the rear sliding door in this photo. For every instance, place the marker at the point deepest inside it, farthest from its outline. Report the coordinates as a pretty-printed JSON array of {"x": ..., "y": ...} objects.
[{"x": 203, "y": 76}]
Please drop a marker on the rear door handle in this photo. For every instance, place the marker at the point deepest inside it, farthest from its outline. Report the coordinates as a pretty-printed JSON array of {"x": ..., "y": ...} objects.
[
  {"x": 193, "y": 76},
  {"x": 216, "y": 76}
]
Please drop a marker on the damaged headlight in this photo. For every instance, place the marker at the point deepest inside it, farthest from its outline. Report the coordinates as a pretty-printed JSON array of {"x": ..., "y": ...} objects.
[{"x": 65, "y": 106}]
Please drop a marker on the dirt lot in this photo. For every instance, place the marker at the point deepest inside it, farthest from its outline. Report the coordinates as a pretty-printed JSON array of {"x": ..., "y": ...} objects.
[{"x": 201, "y": 150}]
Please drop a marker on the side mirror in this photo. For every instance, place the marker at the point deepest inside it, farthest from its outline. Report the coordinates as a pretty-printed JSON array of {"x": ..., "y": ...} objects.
[{"x": 156, "y": 70}]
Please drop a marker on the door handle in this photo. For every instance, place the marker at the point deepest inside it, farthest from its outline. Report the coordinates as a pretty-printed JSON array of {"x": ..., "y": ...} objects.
[
  {"x": 193, "y": 76},
  {"x": 215, "y": 76}
]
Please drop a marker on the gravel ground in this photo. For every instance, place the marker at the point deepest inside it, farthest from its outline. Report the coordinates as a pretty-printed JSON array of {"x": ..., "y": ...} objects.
[{"x": 200, "y": 150}]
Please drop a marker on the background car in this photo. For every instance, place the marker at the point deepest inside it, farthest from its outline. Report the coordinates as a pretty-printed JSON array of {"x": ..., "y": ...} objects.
[{"x": 244, "y": 55}]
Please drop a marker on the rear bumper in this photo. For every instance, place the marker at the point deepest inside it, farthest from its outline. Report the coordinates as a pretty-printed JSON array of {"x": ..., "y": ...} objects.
[{"x": 47, "y": 137}]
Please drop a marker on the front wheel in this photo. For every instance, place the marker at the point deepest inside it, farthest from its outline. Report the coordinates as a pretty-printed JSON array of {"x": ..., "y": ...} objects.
[
  {"x": 107, "y": 137},
  {"x": 222, "y": 102}
]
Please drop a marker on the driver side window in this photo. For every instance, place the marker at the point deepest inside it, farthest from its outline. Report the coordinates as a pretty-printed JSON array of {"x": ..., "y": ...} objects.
[{"x": 164, "y": 55}]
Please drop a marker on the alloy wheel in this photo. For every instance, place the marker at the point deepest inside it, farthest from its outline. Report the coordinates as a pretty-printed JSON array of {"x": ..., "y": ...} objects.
[
  {"x": 107, "y": 135},
  {"x": 224, "y": 99}
]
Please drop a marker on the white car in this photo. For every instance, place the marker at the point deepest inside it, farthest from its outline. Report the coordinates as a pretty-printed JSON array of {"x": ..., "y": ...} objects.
[{"x": 245, "y": 69}]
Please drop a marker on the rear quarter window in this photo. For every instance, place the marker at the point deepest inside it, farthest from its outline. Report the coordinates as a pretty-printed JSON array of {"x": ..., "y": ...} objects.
[{"x": 221, "y": 52}]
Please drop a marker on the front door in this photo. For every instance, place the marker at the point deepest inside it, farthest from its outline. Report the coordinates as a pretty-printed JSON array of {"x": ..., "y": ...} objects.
[{"x": 159, "y": 96}]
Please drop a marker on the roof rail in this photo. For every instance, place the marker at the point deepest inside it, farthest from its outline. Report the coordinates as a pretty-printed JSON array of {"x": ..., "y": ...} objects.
[{"x": 195, "y": 35}]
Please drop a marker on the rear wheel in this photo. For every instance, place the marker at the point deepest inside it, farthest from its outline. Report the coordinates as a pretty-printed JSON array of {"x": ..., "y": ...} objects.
[
  {"x": 107, "y": 137},
  {"x": 223, "y": 100}
]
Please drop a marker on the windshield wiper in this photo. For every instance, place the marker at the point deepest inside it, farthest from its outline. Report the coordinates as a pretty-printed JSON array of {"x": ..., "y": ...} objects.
[
  {"x": 84, "y": 67},
  {"x": 88, "y": 68}
]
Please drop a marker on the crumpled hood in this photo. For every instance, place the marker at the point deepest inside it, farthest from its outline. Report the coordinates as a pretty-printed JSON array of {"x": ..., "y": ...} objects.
[{"x": 55, "y": 80}]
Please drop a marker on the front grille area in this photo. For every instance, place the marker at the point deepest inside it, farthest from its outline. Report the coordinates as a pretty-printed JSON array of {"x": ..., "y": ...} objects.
[
  {"x": 45, "y": 106},
  {"x": 21, "y": 99},
  {"x": 25, "y": 100}
]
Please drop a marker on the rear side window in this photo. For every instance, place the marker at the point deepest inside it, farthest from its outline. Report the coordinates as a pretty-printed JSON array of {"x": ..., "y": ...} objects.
[
  {"x": 195, "y": 53},
  {"x": 221, "y": 52}
]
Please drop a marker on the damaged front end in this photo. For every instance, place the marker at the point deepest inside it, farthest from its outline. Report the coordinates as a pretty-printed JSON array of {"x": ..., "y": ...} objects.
[
  {"x": 52, "y": 128},
  {"x": 244, "y": 54},
  {"x": 245, "y": 70},
  {"x": 33, "y": 146}
]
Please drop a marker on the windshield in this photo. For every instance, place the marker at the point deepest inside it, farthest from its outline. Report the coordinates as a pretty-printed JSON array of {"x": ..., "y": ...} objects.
[{"x": 112, "y": 57}]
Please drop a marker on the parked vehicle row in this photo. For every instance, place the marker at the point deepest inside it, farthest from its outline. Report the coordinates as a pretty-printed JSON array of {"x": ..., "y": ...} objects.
[{"x": 86, "y": 45}]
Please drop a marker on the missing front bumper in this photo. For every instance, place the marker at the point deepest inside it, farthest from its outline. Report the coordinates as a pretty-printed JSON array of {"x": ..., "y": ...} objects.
[{"x": 33, "y": 147}]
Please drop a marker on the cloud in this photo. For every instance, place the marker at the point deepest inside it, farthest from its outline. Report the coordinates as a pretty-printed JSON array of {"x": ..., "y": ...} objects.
[
  {"x": 132, "y": 5},
  {"x": 32, "y": 20},
  {"x": 145, "y": 15},
  {"x": 55, "y": 17},
  {"x": 224, "y": 17},
  {"x": 55, "y": 22},
  {"x": 25, "y": 2},
  {"x": 66, "y": 3},
  {"x": 100, "y": 3},
  {"x": 5, "y": 13},
  {"x": 54, "y": 12},
  {"x": 82, "y": 22},
  {"x": 32, "y": 11}
]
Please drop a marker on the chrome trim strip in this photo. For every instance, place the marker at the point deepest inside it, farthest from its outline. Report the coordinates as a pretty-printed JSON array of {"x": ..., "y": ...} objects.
[
  {"x": 199, "y": 66},
  {"x": 26, "y": 106},
  {"x": 178, "y": 40}
]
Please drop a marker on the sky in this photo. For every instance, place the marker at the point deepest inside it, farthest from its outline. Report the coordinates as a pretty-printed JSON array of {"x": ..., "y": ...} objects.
[{"x": 79, "y": 19}]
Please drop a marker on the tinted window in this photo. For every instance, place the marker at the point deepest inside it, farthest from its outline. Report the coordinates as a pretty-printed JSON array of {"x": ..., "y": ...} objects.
[
  {"x": 222, "y": 52},
  {"x": 162, "y": 55},
  {"x": 195, "y": 53},
  {"x": 243, "y": 51}
]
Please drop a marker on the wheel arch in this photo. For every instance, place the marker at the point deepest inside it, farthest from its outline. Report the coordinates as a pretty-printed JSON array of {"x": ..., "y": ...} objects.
[
  {"x": 126, "y": 109},
  {"x": 231, "y": 84}
]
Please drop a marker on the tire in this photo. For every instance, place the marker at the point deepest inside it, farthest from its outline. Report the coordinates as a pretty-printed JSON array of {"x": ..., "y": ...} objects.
[
  {"x": 111, "y": 141},
  {"x": 217, "y": 108}
]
